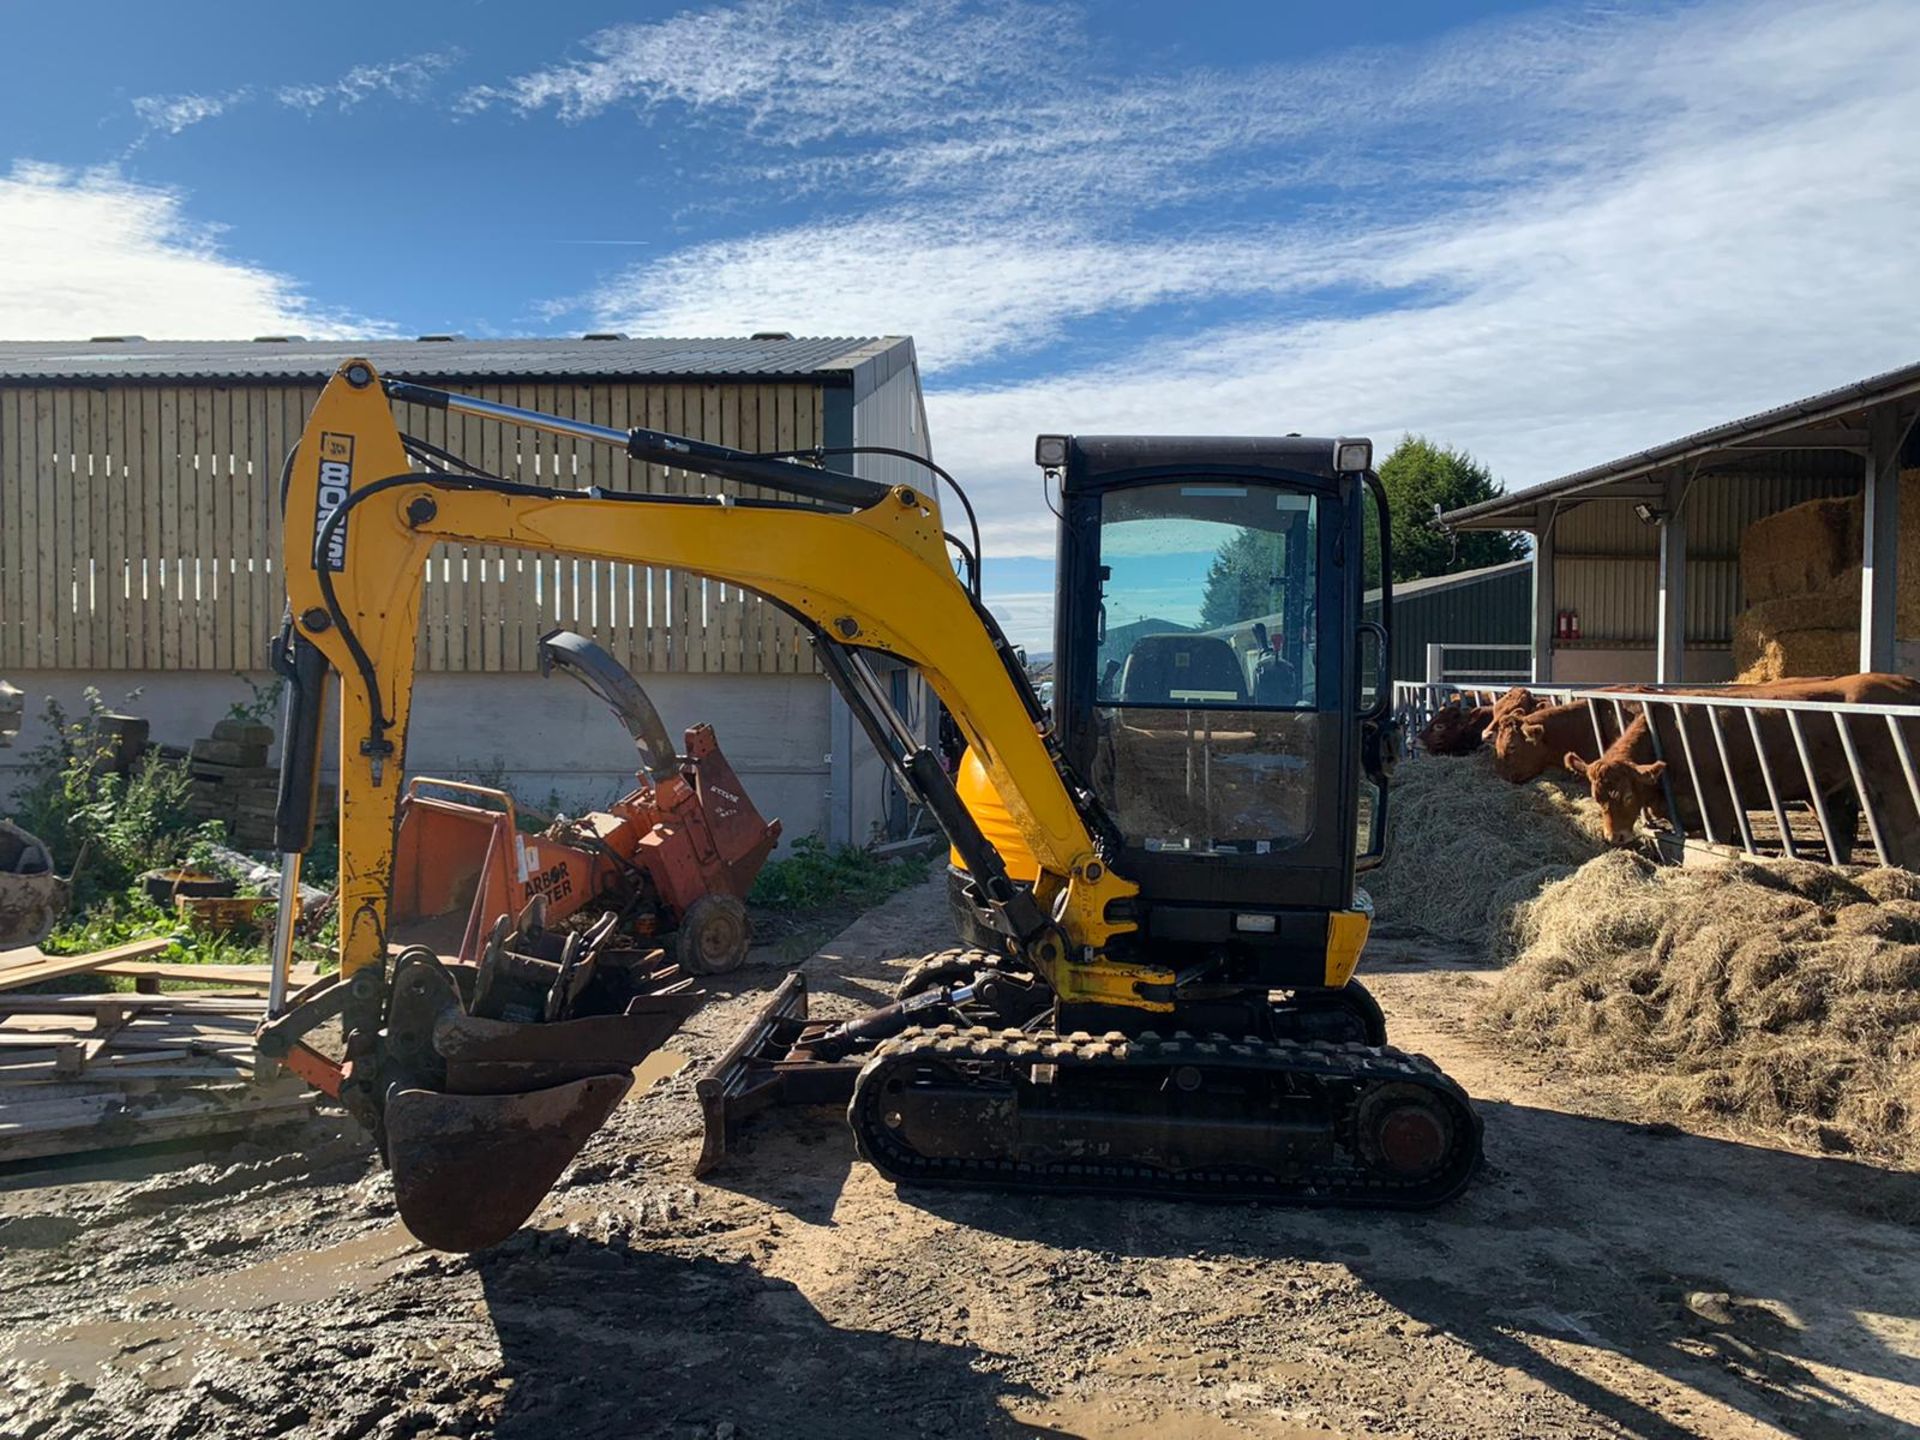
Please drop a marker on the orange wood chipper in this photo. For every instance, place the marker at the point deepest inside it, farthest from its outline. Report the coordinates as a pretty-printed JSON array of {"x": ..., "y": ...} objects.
[{"x": 672, "y": 860}]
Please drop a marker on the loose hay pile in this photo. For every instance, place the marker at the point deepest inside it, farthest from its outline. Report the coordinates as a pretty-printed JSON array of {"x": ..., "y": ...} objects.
[
  {"x": 1783, "y": 997},
  {"x": 1465, "y": 846}
]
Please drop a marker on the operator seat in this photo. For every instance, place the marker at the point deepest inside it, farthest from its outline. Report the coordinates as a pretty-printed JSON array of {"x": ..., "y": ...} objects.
[{"x": 1160, "y": 668}]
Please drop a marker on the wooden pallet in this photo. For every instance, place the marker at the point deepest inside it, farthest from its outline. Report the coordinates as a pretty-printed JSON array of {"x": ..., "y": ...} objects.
[{"x": 82, "y": 1073}]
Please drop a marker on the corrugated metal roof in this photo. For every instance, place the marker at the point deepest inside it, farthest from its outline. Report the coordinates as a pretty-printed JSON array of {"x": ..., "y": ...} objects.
[
  {"x": 1827, "y": 406},
  {"x": 1429, "y": 583},
  {"x": 42, "y": 361}
]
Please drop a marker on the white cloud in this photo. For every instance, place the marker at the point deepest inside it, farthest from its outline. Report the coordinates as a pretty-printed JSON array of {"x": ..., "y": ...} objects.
[
  {"x": 967, "y": 291},
  {"x": 1551, "y": 242},
  {"x": 799, "y": 69},
  {"x": 408, "y": 79},
  {"x": 170, "y": 114},
  {"x": 95, "y": 253}
]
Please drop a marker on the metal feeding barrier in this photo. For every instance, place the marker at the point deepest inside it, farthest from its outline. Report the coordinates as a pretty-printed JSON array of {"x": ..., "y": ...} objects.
[{"x": 1732, "y": 757}]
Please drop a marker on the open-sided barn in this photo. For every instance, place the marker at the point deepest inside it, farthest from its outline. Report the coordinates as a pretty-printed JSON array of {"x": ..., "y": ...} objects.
[{"x": 1668, "y": 558}]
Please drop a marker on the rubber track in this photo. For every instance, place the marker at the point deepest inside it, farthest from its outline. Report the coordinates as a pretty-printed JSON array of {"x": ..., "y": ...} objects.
[{"x": 1354, "y": 1068}]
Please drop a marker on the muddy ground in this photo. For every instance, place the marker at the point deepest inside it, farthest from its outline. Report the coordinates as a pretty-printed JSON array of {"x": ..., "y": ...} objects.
[{"x": 1604, "y": 1277}]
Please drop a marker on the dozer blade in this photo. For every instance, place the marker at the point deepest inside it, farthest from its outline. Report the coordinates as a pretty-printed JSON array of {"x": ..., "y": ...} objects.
[
  {"x": 469, "y": 1169},
  {"x": 768, "y": 1064}
]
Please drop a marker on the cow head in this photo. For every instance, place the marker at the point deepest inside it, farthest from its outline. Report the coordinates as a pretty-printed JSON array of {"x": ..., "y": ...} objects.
[
  {"x": 1520, "y": 750},
  {"x": 1622, "y": 789},
  {"x": 1453, "y": 731}
]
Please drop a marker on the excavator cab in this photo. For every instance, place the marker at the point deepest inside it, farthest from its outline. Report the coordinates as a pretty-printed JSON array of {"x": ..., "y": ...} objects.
[
  {"x": 1219, "y": 687},
  {"x": 1157, "y": 873},
  {"x": 1220, "y": 583}
]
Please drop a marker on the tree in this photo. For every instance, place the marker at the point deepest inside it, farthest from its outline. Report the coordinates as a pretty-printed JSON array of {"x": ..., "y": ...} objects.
[
  {"x": 1242, "y": 581},
  {"x": 1420, "y": 475}
]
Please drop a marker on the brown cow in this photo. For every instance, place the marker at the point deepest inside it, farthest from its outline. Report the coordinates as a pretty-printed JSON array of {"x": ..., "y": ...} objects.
[
  {"x": 1453, "y": 731},
  {"x": 1627, "y": 779},
  {"x": 1517, "y": 701},
  {"x": 1457, "y": 731},
  {"x": 1527, "y": 746}
]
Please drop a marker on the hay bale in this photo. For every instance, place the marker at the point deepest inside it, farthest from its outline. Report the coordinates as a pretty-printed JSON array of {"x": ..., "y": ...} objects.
[
  {"x": 1796, "y": 653},
  {"x": 1799, "y": 550},
  {"x": 1781, "y": 997},
  {"x": 1817, "y": 633},
  {"x": 1465, "y": 846}
]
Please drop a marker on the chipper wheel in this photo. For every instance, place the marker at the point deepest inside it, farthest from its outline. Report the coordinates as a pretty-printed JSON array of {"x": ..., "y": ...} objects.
[{"x": 713, "y": 936}]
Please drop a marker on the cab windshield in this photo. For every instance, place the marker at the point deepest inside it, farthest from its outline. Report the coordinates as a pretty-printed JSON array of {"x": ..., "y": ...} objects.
[{"x": 1206, "y": 652}]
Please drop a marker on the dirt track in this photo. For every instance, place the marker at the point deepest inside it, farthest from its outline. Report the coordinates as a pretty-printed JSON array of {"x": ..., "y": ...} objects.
[{"x": 1604, "y": 1277}]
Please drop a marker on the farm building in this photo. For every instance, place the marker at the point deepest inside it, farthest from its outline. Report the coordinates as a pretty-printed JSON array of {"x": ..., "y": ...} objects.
[
  {"x": 1482, "y": 617},
  {"x": 1762, "y": 548},
  {"x": 139, "y": 530}
]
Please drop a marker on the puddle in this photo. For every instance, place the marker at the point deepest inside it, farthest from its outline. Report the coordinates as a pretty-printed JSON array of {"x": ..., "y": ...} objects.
[
  {"x": 658, "y": 1066},
  {"x": 165, "y": 1354},
  {"x": 299, "y": 1277}
]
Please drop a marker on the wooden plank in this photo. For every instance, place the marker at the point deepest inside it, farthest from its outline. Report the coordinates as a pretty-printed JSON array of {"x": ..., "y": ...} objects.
[
  {"x": 262, "y": 474},
  {"x": 527, "y": 603},
  {"x": 498, "y": 449},
  {"x": 492, "y": 620},
  {"x": 271, "y": 443},
  {"x": 231, "y": 617},
  {"x": 35, "y": 967},
  {"x": 13, "y": 524},
  {"x": 433, "y": 604},
  {"x": 205, "y": 541},
  {"x": 251, "y": 976},
  {"x": 43, "y": 624},
  {"x": 87, "y": 537},
  {"x": 464, "y": 598},
  {"x": 166, "y": 500},
  {"x": 77, "y": 1009},
  {"x": 127, "y": 523},
  {"x": 90, "y": 644},
  {"x": 595, "y": 403},
  {"x": 683, "y": 418},
  {"x": 143, "y": 520},
  {"x": 103, "y": 560},
  {"x": 193, "y": 525},
  {"x": 65, "y": 498},
  {"x": 714, "y": 593}
]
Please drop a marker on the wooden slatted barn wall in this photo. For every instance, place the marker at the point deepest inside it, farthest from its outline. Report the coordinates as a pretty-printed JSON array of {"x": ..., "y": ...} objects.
[{"x": 140, "y": 530}]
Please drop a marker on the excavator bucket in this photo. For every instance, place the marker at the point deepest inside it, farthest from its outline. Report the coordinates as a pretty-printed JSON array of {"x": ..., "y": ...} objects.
[
  {"x": 469, "y": 1169},
  {"x": 498, "y": 1074}
]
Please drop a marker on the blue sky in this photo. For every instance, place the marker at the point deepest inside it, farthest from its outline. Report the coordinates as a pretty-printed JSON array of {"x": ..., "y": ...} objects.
[{"x": 1550, "y": 233}]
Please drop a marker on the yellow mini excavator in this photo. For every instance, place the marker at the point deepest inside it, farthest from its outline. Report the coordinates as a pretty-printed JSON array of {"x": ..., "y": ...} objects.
[{"x": 1155, "y": 878}]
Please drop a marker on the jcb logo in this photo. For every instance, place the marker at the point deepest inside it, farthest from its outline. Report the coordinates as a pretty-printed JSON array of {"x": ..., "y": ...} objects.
[{"x": 336, "y": 482}]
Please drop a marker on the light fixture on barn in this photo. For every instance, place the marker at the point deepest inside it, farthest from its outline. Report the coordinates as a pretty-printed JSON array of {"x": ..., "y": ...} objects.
[{"x": 1648, "y": 514}]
